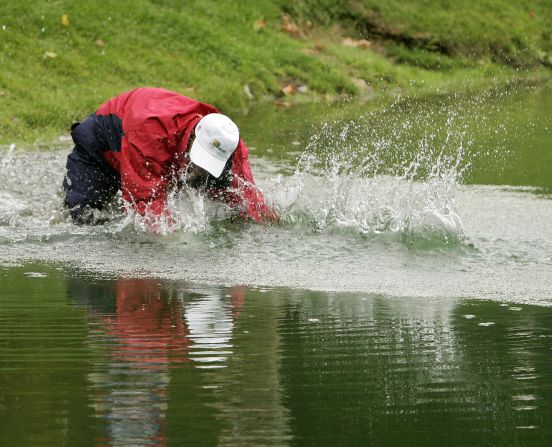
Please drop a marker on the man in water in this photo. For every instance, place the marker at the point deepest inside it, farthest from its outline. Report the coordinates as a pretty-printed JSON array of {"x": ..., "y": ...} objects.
[{"x": 149, "y": 141}]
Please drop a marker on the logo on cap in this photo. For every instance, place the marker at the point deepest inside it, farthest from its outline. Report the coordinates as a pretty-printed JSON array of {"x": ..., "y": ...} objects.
[{"x": 217, "y": 145}]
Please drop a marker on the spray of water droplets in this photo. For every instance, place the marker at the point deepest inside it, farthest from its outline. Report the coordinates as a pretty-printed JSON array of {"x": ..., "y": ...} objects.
[{"x": 373, "y": 177}]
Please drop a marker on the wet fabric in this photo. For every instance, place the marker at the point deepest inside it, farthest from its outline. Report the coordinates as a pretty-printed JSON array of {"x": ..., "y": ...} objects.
[{"x": 90, "y": 183}]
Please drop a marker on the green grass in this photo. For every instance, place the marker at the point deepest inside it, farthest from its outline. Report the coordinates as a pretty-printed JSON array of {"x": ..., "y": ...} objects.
[
  {"x": 513, "y": 33},
  {"x": 210, "y": 49}
]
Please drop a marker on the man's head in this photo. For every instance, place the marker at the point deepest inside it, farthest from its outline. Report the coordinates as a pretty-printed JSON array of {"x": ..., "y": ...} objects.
[{"x": 216, "y": 139}]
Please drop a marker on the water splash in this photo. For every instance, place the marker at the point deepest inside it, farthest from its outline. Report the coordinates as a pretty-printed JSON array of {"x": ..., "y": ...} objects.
[
  {"x": 355, "y": 177},
  {"x": 374, "y": 176},
  {"x": 368, "y": 204}
]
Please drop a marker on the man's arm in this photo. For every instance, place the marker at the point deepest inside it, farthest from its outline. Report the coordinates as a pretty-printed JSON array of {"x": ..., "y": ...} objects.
[{"x": 243, "y": 194}]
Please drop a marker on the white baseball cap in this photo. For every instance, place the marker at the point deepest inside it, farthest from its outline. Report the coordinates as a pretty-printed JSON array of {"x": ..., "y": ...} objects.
[{"x": 216, "y": 139}]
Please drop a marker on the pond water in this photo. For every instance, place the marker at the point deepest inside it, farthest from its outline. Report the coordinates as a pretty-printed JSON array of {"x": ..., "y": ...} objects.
[{"x": 403, "y": 298}]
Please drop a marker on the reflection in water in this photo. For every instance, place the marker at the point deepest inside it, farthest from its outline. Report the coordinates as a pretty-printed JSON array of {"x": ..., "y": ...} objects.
[
  {"x": 210, "y": 324},
  {"x": 131, "y": 387},
  {"x": 146, "y": 334},
  {"x": 211, "y": 367}
]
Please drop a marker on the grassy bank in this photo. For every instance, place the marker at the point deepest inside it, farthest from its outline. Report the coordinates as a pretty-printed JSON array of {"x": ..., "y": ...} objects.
[{"x": 61, "y": 59}]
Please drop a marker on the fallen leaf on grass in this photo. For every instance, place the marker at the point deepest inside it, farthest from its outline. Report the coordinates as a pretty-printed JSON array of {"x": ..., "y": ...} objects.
[
  {"x": 49, "y": 55},
  {"x": 289, "y": 89},
  {"x": 282, "y": 103},
  {"x": 259, "y": 24},
  {"x": 100, "y": 43},
  {"x": 289, "y": 27},
  {"x": 356, "y": 43},
  {"x": 65, "y": 20}
]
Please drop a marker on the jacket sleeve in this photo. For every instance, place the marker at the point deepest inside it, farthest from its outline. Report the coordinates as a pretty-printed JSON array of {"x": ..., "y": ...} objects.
[
  {"x": 146, "y": 156},
  {"x": 243, "y": 194}
]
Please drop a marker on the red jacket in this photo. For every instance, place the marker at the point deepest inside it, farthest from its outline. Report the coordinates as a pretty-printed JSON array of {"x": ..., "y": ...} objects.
[{"x": 156, "y": 127}]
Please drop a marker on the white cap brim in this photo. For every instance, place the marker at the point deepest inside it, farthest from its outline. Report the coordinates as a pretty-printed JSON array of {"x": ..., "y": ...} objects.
[{"x": 200, "y": 157}]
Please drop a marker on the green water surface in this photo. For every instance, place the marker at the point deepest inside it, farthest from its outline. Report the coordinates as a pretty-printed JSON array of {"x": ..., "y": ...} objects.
[{"x": 88, "y": 361}]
